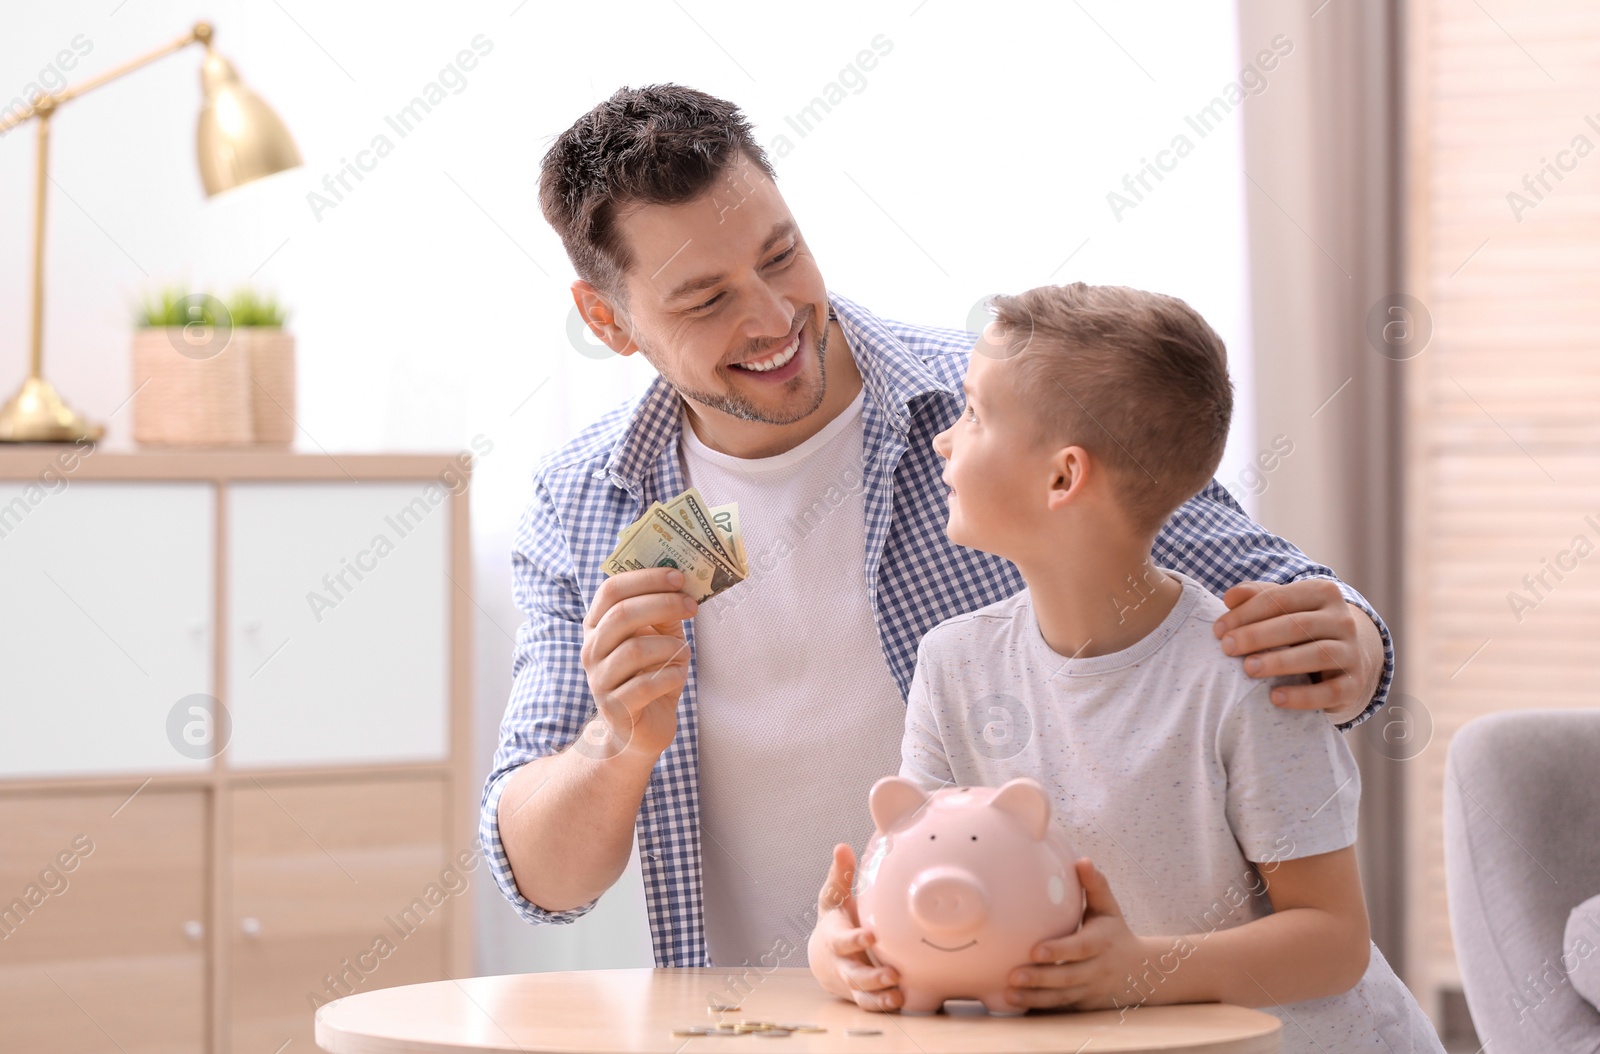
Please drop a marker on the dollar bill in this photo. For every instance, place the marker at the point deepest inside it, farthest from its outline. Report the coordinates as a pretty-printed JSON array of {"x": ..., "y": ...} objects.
[
  {"x": 702, "y": 540},
  {"x": 691, "y": 509},
  {"x": 725, "y": 518},
  {"x": 680, "y": 534}
]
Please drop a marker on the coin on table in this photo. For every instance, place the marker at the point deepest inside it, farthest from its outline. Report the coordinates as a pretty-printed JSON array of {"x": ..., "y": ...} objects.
[{"x": 863, "y": 1031}]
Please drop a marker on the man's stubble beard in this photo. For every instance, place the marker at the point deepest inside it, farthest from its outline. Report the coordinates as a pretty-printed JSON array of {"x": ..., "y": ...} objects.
[{"x": 736, "y": 405}]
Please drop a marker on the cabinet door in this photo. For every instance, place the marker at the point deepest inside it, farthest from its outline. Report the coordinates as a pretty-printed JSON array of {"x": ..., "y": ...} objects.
[
  {"x": 337, "y": 888},
  {"x": 102, "y": 934},
  {"x": 338, "y": 602},
  {"x": 106, "y": 593}
]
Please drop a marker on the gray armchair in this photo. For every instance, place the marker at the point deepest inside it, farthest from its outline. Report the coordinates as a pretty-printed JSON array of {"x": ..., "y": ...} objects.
[{"x": 1522, "y": 865}]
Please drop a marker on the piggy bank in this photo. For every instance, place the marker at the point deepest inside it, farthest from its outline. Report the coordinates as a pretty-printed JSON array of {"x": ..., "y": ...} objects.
[{"x": 959, "y": 885}]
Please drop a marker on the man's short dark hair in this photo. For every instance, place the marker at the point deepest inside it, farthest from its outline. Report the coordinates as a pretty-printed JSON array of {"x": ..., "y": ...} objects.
[
  {"x": 663, "y": 144},
  {"x": 1137, "y": 379}
]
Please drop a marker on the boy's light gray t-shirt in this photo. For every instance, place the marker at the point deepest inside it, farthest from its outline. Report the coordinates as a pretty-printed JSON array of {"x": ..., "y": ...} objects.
[{"x": 1170, "y": 768}]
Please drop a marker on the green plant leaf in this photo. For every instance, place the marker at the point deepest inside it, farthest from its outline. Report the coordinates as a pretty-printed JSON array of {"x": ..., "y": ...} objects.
[
  {"x": 251, "y": 307},
  {"x": 170, "y": 305}
]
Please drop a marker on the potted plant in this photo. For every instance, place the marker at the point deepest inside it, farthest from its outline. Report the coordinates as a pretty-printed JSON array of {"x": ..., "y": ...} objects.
[
  {"x": 191, "y": 383},
  {"x": 258, "y": 321},
  {"x": 208, "y": 372}
]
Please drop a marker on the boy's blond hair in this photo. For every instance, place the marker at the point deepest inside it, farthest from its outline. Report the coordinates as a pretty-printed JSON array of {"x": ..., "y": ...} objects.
[{"x": 1137, "y": 379}]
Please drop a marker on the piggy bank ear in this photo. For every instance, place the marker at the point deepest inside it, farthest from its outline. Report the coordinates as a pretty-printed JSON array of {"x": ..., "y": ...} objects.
[
  {"x": 894, "y": 800},
  {"x": 1025, "y": 800}
]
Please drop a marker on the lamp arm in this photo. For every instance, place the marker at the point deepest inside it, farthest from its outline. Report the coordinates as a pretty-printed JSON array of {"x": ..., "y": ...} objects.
[{"x": 200, "y": 33}]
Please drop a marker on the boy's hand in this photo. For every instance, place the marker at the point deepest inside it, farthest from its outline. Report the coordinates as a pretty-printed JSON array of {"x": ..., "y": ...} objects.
[
  {"x": 1088, "y": 969},
  {"x": 837, "y": 949},
  {"x": 1305, "y": 627}
]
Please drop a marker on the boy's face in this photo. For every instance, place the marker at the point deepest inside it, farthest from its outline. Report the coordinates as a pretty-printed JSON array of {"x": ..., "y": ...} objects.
[{"x": 994, "y": 469}]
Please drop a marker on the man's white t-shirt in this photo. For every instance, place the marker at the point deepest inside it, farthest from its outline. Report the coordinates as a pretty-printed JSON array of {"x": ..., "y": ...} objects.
[
  {"x": 1171, "y": 769},
  {"x": 791, "y": 677}
]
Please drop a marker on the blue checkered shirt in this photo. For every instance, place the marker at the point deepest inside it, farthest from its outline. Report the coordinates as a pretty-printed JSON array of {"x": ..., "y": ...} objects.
[{"x": 587, "y": 491}]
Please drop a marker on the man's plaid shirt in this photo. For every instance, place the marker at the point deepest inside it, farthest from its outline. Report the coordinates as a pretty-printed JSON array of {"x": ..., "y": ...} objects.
[{"x": 587, "y": 491}]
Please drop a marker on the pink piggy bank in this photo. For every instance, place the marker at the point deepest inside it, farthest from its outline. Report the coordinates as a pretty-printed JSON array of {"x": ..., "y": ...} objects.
[{"x": 959, "y": 885}]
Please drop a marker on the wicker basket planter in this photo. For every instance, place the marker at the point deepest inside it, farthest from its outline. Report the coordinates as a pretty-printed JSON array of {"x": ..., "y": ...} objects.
[
  {"x": 184, "y": 396},
  {"x": 271, "y": 356},
  {"x": 187, "y": 394}
]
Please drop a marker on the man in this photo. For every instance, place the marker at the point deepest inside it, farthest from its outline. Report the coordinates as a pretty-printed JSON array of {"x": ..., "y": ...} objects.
[{"x": 739, "y": 741}]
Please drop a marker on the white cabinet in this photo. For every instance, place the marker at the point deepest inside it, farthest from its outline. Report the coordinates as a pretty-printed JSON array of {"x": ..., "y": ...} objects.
[
  {"x": 228, "y": 882},
  {"x": 106, "y": 601},
  {"x": 338, "y": 608}
]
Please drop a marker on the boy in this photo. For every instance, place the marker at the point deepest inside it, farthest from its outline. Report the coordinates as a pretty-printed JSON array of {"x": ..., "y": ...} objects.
[{"x": 1224, "y": 824}]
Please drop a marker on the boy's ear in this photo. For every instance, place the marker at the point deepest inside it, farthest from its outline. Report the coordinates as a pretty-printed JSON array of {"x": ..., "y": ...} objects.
[
  {"x": 1069, "y": 469},
  {"x": 603, "y": 318}
]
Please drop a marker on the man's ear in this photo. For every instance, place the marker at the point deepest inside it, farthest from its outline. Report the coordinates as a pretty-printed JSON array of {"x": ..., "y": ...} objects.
[
  {"x": 603, "y": 318},
  {"x": 1069, "y": 472}
]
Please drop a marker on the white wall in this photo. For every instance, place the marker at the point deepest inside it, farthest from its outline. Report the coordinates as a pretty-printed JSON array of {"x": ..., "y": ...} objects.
[{"x": 975, "y": 157}]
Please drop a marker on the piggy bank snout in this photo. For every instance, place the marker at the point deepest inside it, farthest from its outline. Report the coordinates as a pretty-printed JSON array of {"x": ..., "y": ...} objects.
[{"x": 948, "y": 900}]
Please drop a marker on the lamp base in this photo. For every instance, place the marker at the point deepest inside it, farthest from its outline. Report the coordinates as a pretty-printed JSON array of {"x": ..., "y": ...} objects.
[{"x": 36, "y": 414}]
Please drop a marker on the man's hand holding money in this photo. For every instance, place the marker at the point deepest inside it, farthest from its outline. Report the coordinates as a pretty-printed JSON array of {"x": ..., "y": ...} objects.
[
  {"x": 637, "y": 659},
  {"x": 634, "y": 652}
]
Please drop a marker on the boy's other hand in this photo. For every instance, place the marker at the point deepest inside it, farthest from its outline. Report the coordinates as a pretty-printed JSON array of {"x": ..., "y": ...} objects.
[
  {"x": 1305, "y": 627},
  {"x": 1090, "y": 968},
  {"x": 838, "y": 947}
]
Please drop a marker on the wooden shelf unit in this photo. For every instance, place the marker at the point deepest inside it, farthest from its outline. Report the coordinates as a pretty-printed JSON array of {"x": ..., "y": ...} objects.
[{"x": 229, "y": 880}]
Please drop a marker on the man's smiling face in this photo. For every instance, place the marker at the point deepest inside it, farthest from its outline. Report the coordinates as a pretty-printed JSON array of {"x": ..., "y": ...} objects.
[{"x": 725, "y": 300}]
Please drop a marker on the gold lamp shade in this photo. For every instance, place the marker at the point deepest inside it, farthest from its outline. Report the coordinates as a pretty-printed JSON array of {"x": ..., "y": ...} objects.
[{"x": 239, "y": 138}]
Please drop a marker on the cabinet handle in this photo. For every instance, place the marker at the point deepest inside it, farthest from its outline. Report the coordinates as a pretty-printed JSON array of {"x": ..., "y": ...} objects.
[
  {"x": 194, "y": 929},
  {"x": 250, "y": 926}
]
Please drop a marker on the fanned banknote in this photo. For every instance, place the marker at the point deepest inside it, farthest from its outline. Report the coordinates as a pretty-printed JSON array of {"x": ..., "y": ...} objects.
[{"x": 700, "y": 540}]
